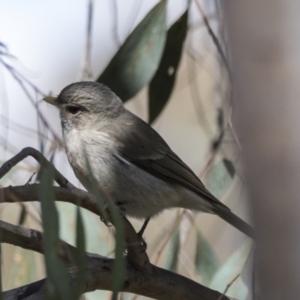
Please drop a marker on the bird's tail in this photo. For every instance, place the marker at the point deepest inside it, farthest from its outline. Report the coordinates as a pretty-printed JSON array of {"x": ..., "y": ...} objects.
[{"x": 234, "y": 220}]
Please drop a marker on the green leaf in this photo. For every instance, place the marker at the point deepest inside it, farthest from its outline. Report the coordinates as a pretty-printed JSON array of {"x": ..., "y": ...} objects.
[
  {"x": 162, "y": 83},
  {"x": 173, "y": 251},
  {"x": 206, "y": 261},
  {"x": 219, "y": 179},
  {"x": 80, "y": 255},
  {"x": 138, "y": 58},
  {"x": 22, "y": 216},
  {"x": 58, "y": 286},
  {"x": 229, "y": 166},
  {"x": 230, "y": 269},
  {"x": 119, "y": 264}
]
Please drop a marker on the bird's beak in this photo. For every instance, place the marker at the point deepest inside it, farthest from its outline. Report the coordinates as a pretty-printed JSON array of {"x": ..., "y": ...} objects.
[{"x": 51, "y": 100}]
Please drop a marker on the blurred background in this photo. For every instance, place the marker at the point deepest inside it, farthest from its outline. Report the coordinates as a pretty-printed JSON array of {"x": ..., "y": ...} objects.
[{"x": 46, "y": 45}]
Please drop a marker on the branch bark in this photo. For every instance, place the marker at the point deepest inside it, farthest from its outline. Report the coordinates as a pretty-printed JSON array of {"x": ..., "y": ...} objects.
[
  {"x": 141, "y": 277},
  {"x": 151, "y": 281}
]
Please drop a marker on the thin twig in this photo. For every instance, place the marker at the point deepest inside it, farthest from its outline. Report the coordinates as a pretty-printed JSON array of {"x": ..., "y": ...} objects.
[
  {"x": 58, "y": 177},
  {"x": 21, "y": 79},
  {"x": 86, "y": 73},
  {"x": 169, "y": 234},
  {"x": 234, "y": 135},
  {"x": 197, "y": 99},
  {"x": 14, "y": 126},
  {"x": 115, "y": 22},
  {"x": 30, "y": 178},
  {"x": 228, "y": 286},
  {"x": 214, "y": 38}
]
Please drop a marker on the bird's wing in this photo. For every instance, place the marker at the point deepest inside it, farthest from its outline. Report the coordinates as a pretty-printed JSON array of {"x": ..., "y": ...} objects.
[{"x": 151, "y": 153}]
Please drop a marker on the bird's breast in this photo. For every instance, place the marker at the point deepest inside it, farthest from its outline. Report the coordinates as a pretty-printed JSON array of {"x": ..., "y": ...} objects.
[
  {"x": 140, "y": 193},
  {"x": 88, "y": 151}
]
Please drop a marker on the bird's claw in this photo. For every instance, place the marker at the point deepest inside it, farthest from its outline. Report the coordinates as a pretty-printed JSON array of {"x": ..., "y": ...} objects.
[{"x": 142, "y": 241}]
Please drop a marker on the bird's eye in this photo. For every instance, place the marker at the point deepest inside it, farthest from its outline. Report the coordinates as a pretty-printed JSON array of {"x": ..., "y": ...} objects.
[{"x": 74, "y": 110}]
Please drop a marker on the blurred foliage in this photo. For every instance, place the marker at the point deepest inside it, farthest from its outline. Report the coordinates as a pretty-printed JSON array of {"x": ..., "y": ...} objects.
[
  {"x": 173, "y": 251},
  {"x": 138, "y": 58},
  {"x": 219, "y": 178},
  {"x": 206, "y": 261},
  {"x": 27, "y": 267},
  {"x": 230, "y": 270},
  {"x": 161, "y": 85},
  {"x": 57, "y": 279},
  {"x": 151, "y": 54},
  {"x": 80, "y": 255}
]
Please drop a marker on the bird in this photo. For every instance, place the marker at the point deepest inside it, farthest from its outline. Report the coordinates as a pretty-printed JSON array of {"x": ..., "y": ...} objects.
[{"x": 128, "y": 159}]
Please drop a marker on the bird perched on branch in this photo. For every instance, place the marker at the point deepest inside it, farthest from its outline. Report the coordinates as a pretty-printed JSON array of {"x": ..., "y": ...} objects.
[{"x": 129, "y": 160}]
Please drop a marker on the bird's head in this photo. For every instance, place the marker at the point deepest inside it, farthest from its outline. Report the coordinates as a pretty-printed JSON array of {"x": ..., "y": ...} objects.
[{"x": 86, "y": 104}]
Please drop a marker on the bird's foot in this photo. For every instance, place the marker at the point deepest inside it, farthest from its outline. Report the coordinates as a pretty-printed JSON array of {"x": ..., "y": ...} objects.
[
  {"x": 141, "y": 232},
  {"x": 142, "y": 241}
]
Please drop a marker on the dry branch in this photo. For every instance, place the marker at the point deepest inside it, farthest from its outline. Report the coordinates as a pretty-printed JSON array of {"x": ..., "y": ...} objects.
[
  {"x": 149, "y": 281},
  {"x": 141, "y": 277}
]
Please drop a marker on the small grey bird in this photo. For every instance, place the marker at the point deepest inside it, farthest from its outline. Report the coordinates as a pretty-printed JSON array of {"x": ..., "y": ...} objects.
[{"x": 129, "y": 160}]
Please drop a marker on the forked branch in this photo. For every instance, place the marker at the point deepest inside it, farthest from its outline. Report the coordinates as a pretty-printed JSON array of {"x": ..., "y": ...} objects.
[{"x": 141, "y": 277}]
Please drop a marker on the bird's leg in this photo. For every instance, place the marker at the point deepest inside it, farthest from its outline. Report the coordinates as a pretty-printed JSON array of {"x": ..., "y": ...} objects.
[
  {"x": 143, "y": 228},
  {"x": 141, "y": 232},
  {"x": 122, "y": 211}
]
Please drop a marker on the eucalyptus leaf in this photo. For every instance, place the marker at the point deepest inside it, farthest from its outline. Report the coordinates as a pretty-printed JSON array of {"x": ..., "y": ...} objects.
[
  {"x": 173, "y": 251},
  {"x": 229, "y": 166},
  {"x": 162, "y": 83},
  {"x": 219, "y": 179},
  {"x": 80, "y": 255},
  {"x": 119, "y": 264},
  {"x": 58, "y": 286},
  {"x": 229, "y": 270},
  {"x": 206, "y": 261},
  {"x": 22, "y": 215},
  {"x": 138, "y": 58}
]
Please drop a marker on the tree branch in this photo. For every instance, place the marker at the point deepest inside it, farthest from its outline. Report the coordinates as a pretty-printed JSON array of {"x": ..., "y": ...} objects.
[
  {"x": 27, "y": 193},
  {"x": 58, "y": 177},
  {"x": 141, "y": 277},
  {"x": 67, "y": 193},
  {"x": 29, "y": 239},
  {"x": 150, "y": 281}
]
